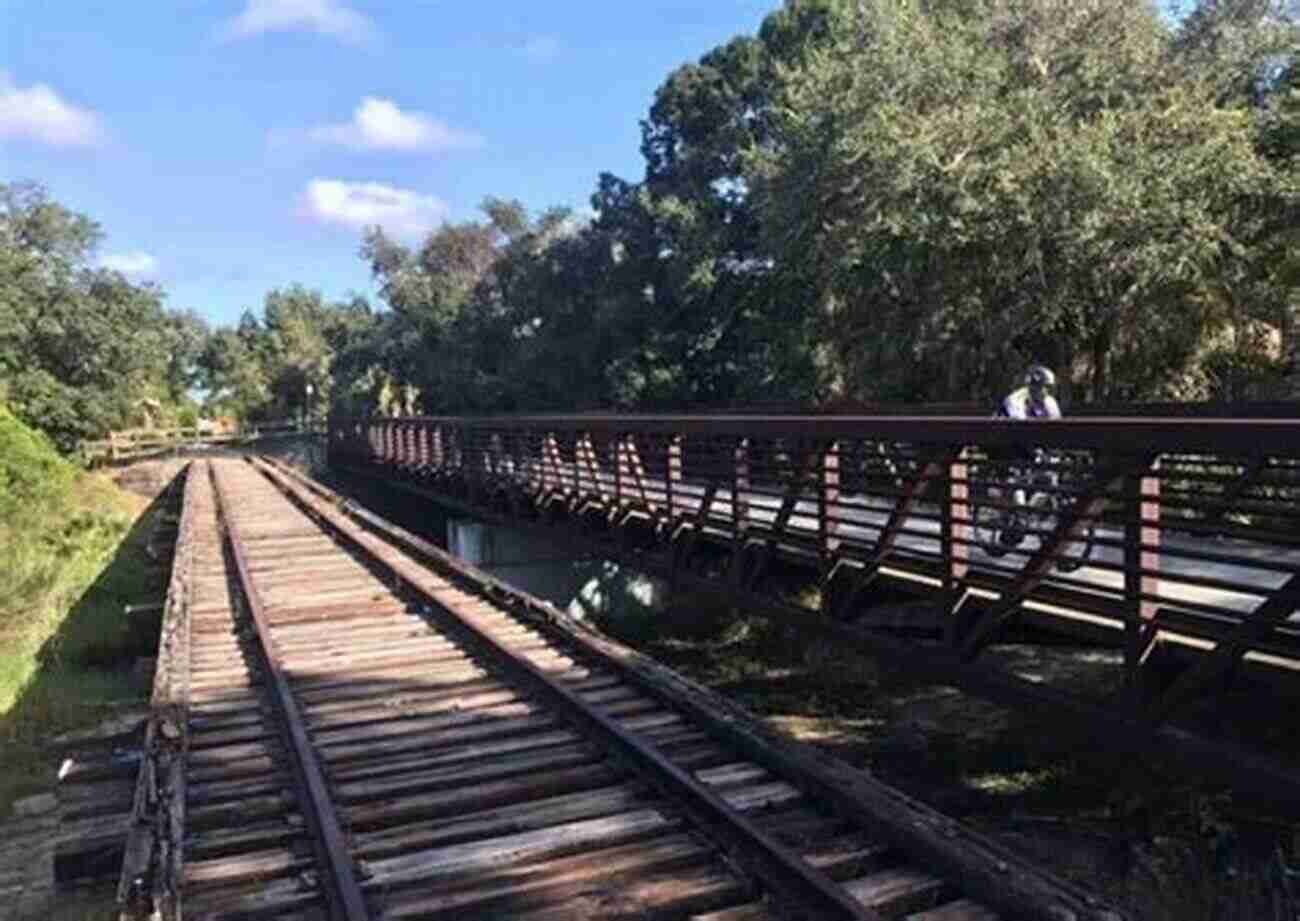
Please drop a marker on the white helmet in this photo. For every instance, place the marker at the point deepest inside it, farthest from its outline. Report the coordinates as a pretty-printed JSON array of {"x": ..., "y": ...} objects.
[{"x": 1040, "y": 376}]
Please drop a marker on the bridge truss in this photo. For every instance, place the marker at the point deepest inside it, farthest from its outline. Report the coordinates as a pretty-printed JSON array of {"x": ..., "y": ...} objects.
[{"x": 1175, "y": 541}]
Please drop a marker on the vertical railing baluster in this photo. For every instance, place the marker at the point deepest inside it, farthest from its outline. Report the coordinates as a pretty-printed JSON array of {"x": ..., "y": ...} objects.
[
  {"x": 636, "y": 473},
  {"x": 495, "y": 462},
  {"x": 673, "y": 475},
  {"x": 1151, "y": 535},
  {"x": 1141, "y": 526},
  {"x": 740, "y": 485},
  {"x": 547, "y": 481},
  {"x": 573, "y": 467},
  {"x": 955, "y": 533},
  {"x": 958, "y": 533},
  {"x": 550, "y": 462},
  {"x": 565, "y": 481},
  {"x": 828, "y": 499},
  {"x": 579, "y": 460},
  {"x": 616, "y": 458},
  {"x": 596, "y": 474},
  {"x": 739, "y": 509}
]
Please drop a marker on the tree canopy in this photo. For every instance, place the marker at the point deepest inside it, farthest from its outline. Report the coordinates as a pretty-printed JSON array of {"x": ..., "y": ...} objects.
[
  {"x": 894, "y": 200},
  {"x": 81, "y": 348},
  {"x": 867, "y": 200}
]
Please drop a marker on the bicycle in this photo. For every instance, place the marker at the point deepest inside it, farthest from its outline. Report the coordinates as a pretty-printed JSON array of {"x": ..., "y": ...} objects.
[{"x": 1002, "y": 525}]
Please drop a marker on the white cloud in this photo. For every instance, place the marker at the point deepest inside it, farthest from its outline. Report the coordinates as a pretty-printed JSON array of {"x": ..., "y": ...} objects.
[
  {"x": 378, "y": 124},
  {"x": 361, "y": 204},
  {"x": 38, "y": 113},
  {"x": 541, "y": 47},
  {"x": 135, "y": 264},
  {"x": 326, "y": 17}
]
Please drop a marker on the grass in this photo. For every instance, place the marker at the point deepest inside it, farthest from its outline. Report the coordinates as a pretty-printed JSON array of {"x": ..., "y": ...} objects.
[{"x": 73, "y": 551}]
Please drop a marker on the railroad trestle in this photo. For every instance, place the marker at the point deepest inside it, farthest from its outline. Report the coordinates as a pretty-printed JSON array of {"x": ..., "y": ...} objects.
[{"x": 350, "y": 723}]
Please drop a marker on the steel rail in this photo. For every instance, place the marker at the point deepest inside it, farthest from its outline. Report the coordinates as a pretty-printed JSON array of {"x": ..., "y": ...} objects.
[
  {"x": 342, "y": 892},
  {"x": 797, "y": 886},
  {"x": 987, "y": 871}
]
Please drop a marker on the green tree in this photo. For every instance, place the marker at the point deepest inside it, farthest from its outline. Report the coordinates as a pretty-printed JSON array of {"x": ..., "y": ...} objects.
[
  {"x": 1010, "y": 180},
  {"x": 81, "y": 348},
  {"x": 262, "y": 368},
  {"x": 721, "y": 326}
]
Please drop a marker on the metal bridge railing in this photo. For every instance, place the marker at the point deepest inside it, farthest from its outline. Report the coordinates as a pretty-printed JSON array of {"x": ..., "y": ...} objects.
[
  {"x": 1139, "y": 531},
  {"x": 145, "y": 443}
]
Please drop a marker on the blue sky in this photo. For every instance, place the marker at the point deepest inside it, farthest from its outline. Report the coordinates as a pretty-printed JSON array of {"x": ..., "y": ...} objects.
[{"x": 231, "y": 146}]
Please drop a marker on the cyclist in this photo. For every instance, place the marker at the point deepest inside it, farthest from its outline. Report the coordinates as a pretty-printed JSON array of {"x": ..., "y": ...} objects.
[{"x": 1033, "y": 400}]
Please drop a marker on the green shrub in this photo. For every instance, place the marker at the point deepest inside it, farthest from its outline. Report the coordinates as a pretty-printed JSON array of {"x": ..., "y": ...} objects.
[
  {"x": 33, "y": 477},
  {"x": 59, "y": 530}
]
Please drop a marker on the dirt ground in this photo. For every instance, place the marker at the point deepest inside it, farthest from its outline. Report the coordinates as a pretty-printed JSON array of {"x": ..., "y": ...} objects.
[{"x": 1148, "y": 838}]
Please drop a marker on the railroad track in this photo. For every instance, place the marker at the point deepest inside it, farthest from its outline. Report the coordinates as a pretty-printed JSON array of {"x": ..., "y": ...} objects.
[{"x": 352, "y": 725}]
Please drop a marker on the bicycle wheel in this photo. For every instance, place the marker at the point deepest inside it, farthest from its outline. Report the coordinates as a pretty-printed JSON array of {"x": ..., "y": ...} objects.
[
  {"x": 989, "y": 522},
  {"x": 1074, "y": 552},
  {"x": 1077, "y": 549}
]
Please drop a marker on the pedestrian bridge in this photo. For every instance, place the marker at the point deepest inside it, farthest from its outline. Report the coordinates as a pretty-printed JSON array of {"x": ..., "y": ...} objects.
[{"x": 1175, "y": 542}]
